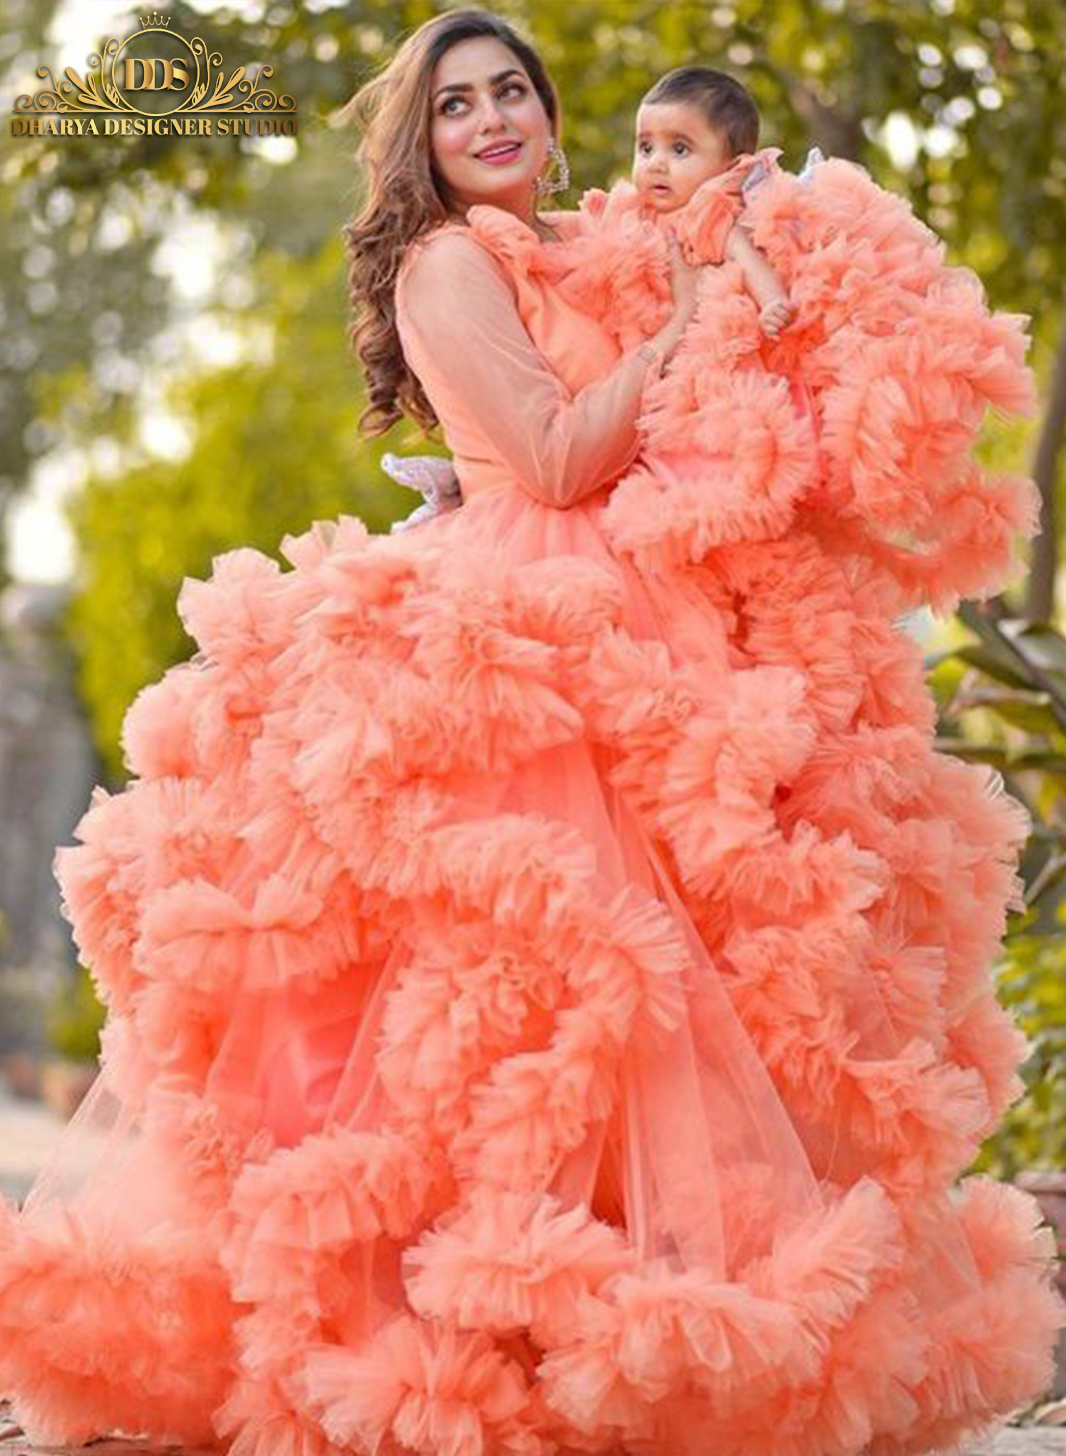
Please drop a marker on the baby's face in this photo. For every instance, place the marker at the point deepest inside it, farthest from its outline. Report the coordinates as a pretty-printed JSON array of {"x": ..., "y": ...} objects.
[{"x": 676, "y": 150}]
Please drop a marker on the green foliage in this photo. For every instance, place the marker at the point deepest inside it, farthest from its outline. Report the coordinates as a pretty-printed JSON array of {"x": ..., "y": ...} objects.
[
  {"x": 1002, "y": 701},
  {"x": 1032, "y": 983},
  {"x": 75, "y": 1019}
]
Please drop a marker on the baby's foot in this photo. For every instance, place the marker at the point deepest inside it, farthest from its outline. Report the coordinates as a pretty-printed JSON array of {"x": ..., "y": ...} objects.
[{"x": 775, "y": 316}]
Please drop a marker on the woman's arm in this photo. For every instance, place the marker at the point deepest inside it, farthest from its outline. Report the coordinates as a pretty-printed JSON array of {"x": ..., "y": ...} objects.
[{"x": 456, "y": 312}]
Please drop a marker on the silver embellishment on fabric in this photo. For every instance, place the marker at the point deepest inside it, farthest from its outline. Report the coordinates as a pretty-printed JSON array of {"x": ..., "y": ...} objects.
[{"x": 433, "y": 477}]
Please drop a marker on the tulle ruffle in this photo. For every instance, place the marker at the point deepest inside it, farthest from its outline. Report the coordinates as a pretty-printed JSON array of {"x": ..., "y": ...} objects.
[{"x": 858, "y": 422}]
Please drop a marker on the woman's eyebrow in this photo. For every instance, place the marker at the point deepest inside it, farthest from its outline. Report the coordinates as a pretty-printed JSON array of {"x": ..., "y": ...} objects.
[{"x": 466, "y": 86}]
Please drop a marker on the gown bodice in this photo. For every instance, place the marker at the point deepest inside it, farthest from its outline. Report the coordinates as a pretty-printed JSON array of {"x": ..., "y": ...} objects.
[{"x": 498, "y": 400}]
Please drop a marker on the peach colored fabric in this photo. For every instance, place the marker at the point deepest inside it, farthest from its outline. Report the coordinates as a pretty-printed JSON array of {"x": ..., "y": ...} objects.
[
  {"x": 547, "y": 962},
  {"x": 560, "y": 432}
]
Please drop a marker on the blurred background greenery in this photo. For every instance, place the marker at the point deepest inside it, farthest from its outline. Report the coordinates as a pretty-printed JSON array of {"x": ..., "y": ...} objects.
[{"x": 176, "y": 378}]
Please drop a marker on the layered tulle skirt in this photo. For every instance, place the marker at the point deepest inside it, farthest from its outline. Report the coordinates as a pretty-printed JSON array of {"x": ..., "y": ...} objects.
[{"x": 549, "y": 1008}]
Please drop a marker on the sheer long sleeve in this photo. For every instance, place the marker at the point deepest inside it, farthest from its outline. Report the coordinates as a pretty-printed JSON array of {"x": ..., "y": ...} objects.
[{"x": 457, "y": 314}]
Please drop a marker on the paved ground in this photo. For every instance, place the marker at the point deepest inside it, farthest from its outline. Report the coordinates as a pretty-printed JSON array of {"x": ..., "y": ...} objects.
[
  {"x": 1027, "y": 1441},
  {"x": 17, "y": 1446},
  {"x": 1023, "y": 1441},
  {"x": 1030, "y": 1440},
  {"x": 28, "y": 1132}
]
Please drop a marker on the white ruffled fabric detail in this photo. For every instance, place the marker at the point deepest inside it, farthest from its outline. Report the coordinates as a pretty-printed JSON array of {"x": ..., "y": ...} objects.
[
  {"x": 813, "y": 160},
  {"x": 433, "y": 477}
]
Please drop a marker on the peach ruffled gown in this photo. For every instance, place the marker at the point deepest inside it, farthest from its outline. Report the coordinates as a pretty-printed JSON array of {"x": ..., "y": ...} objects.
[{"x": 548, "y": 995}]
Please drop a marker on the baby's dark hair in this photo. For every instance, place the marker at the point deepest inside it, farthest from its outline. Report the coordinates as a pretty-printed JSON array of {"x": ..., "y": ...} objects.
[{"x": 727, "y": 105}]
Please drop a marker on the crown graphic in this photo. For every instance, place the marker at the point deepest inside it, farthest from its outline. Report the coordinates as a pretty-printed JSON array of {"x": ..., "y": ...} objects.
[{"x": 154, "y": 19}]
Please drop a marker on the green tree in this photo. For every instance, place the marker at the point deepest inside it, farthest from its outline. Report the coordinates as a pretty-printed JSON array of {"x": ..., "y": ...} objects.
[{"x": 1001, "y": 696}]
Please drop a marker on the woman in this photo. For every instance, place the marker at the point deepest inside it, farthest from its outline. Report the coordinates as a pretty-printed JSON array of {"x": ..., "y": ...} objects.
[{"x": 435, "y": 1125}]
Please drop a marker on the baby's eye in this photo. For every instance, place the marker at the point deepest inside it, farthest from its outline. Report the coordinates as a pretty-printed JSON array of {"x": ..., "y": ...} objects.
[
  {"x": 643, "y": 148},
  {"x": 681, "y": 149}
]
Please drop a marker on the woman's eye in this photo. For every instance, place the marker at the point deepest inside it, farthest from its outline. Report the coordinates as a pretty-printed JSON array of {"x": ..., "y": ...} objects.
[
  {"x": 446, "y": 108},
  {"x": 515, "y": 87}
]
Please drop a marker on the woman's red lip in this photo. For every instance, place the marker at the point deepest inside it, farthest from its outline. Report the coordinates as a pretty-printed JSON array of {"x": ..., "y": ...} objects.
[{"x": 500, "y": 153}]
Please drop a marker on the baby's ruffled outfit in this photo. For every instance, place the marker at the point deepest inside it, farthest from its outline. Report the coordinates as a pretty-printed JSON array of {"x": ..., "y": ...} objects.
[{"x": 547, "y": 961}]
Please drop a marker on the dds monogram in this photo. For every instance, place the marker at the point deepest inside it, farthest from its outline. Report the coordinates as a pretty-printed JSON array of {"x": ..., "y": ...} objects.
[{"x": 175, "y": 75}]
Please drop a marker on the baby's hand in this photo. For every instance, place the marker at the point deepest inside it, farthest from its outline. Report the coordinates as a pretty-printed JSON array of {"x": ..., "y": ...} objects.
[{"x": 775, "y": 316}]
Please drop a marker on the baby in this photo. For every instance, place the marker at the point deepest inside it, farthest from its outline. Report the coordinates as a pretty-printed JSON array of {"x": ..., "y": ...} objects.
[{"x": 696, "y": 124}]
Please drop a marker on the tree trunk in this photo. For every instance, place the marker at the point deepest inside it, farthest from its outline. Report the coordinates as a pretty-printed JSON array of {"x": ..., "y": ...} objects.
[
  {"x": 835, "y": 129},
  {"x": 1040, "y": 593}
]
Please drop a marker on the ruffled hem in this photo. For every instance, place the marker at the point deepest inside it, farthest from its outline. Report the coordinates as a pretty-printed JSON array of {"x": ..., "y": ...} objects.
[{"x": 107, "y": 1328}]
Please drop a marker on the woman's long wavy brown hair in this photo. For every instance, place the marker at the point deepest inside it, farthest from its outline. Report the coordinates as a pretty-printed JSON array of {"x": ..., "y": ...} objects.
[{"x": 405, "y": 197}]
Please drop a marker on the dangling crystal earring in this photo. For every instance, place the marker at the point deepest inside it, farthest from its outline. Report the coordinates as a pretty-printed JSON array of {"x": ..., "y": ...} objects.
[{"x": 561, "y": 181}]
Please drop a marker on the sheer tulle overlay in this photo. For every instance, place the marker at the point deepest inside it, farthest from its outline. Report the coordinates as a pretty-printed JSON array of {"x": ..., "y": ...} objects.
[{"x": 547, "y": 962}]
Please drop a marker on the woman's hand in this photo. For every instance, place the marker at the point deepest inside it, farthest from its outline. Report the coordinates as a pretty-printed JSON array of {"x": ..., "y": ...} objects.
[
  {"x": 684, "y": 287},
  {"x": 684, "y": 281}
]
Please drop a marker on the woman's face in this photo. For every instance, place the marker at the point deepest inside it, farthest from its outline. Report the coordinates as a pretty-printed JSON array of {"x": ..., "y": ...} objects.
[{"x": 489, "y": 132}]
